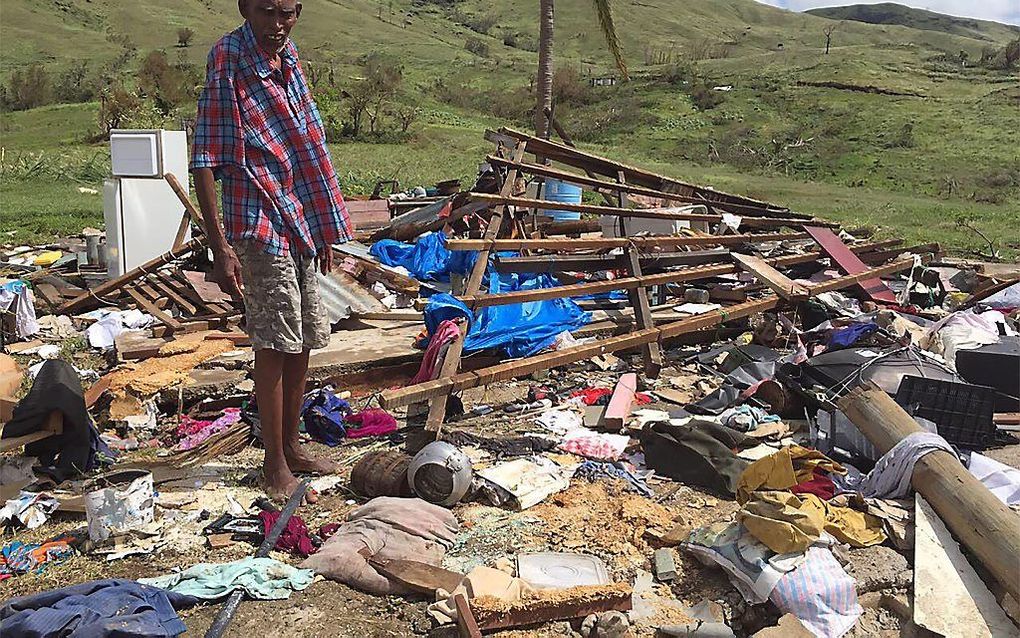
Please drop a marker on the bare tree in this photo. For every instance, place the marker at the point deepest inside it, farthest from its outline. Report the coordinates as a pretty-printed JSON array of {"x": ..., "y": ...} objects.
[{"x": 828, "y": 35}]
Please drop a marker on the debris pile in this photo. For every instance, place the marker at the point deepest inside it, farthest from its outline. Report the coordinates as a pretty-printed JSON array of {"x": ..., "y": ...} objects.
[{"x": 652, "y": 408}]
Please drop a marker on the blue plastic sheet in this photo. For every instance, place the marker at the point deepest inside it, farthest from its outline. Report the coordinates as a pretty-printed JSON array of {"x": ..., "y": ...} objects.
[
  {"x": 519, "y": 329},
  {"x": 428, "y": 259}
]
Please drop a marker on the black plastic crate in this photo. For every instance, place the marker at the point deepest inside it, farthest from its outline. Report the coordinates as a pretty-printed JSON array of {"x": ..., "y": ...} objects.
[{"x": 962, "y": 412}]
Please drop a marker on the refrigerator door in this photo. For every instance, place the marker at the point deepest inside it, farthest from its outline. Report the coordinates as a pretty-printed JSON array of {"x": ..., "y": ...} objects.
[
  {"x": 114, "y": 228},
  {"x": 150, "y": 217},
  {"x": 136, "y": 153}
]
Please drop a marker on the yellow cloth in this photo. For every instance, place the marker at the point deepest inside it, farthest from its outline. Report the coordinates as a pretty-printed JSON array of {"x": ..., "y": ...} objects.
[
  {"x": 784, "y": 469},
  {"x": 787, "y": 522}
]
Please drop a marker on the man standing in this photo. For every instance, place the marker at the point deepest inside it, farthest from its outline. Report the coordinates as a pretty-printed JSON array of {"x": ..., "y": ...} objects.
[{"x": 259, "y": 132}]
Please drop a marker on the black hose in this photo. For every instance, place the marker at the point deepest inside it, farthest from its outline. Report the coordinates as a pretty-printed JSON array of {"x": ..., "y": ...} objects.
[{"x": 226, "y": 614}]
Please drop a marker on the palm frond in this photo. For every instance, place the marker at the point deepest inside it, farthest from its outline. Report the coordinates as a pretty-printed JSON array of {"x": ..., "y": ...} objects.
[{"x": 604, "y": 10}]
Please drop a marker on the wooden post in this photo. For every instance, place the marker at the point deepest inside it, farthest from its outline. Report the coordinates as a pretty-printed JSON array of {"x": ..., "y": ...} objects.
[
  {"x": 451, "y": 362},
  {"x": 983, "y": 523},
  {"x": 639, "y": 295}
]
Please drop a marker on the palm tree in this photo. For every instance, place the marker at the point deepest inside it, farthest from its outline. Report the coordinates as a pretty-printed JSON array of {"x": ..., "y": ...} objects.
[{"x": 604, "y": 11}]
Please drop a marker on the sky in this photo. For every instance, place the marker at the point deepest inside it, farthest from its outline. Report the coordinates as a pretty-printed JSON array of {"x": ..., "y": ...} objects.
[{"x": 1007, "y": 11}]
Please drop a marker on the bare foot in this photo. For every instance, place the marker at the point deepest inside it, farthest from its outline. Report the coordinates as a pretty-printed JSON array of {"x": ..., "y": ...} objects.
[
  {"x": 280, "y": 488},
  {"x": 302, "y": 462}
]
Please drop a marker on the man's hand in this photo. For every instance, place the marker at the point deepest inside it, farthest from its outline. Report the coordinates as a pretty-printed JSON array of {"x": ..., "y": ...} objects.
[
  {"x": 227, "y": 271},
  {"x": 325, "y": 258}
]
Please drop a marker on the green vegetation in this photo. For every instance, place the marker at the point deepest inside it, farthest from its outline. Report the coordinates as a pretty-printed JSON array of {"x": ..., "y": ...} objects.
[
  {"x": 893, "y": 128},
  {"x": 892, "y": 13}
]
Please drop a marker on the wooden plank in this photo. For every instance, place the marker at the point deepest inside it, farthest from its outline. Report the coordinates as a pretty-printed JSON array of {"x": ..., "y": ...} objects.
[
  {"x": 502, "y": 372},
  {"x": 949, "y": 597},
  {"x": 600, "y": 243},
  {"x": 420, "y": 577},
  {"x": 618, "y": 410},
  {"x": 189, "y": 206},
  {"x": 777, "y": 281},
  {"x": 95, "y": 295},
  {"x": 53, "y": 426},
  {"x": 834, "y": 247},
  {"x": 594, "y": 182},
  {"x": 983, "y": 523},
  {"x": 182, "y": 303},
  {"x": 544, "y": 204},
  {"x": 150, "y": 308},
  {"x": 574, "y": 602},
  {"x": 596, "y": 263},
  {"x": 639, "y": 295},
  {"x": 467, "y": 626}
]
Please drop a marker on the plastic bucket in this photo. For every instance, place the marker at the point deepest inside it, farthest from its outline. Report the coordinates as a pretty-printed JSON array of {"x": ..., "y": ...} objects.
[
  {"x": 557, "y": 191},
  {"x": 119, "y": 502}
]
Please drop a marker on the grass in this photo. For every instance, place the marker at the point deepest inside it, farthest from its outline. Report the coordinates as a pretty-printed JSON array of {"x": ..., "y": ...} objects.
[{"x": 853, "y": 156}]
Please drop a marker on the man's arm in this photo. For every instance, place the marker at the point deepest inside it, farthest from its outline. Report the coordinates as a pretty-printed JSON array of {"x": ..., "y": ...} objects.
[{"x": 226, "y": 267}]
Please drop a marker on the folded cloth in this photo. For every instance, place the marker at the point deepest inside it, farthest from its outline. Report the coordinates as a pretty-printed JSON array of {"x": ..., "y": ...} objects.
[
  {"x": 260, "y": 578},
  {"x": 112, "y": 608},
  {"x": 890, "y": 478},
  {"x": 386, "y": 528},
  {"x": 370, "y": 422}
]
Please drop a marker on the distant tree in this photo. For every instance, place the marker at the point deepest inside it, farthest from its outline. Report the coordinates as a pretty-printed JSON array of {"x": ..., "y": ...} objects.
[
  {"x": 167, "y": 85},
  {"x": 828, "y": 31},
  {"x": 184, "y": 37},
  {"x": 962, "y": 56},
  {"x": 116, "y": 106},
  {"x": 1012, "y": 53},
  {"x": 28, "y": 89},
  {"x": 369, "y": 95}
]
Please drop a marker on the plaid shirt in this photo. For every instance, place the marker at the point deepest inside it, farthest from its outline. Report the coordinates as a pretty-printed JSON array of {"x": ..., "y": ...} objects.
[{"x": 261, "y": 133}]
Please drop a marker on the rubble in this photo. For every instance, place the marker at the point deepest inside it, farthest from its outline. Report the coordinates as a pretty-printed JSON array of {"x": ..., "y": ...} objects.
[{"x": 687, "y": 413}]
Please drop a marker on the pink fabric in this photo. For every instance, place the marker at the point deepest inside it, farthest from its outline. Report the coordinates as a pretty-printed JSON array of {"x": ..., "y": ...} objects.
[
  {"x": 195, "y": 431},
  {"x": 294, "y": 538},
  {"x": 447, "y": 332},
  {"x": 373, "y": 422}
]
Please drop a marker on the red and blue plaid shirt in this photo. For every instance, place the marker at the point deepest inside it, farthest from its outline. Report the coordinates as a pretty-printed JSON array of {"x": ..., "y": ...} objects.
[{"x": 260, "y": 131}]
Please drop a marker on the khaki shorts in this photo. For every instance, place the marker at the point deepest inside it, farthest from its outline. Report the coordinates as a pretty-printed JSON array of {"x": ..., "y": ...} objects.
[{"x": 282, "y": 307}]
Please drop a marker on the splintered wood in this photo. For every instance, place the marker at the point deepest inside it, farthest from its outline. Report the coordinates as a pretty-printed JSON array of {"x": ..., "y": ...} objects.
[
  {"x": 547, "y": 605},
  {"x": 136, "y": 381}
]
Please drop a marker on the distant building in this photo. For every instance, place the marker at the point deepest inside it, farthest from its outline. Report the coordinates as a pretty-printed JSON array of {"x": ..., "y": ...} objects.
[{"x": 607, "y": 81}]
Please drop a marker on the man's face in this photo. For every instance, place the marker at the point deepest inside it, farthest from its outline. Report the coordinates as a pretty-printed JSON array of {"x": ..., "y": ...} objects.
[{"x": 271, "y": 20}]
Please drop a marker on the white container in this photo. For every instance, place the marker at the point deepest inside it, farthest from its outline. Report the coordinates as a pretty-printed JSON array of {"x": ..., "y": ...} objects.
[{"x": 123, "y": 501}]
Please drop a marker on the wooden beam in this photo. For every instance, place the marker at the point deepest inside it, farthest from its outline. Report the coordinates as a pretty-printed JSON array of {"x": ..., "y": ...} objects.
[
  {"x": 639, "y": 295},
  {"x": 620, "y": 402},
  {"x": 834, "y": 247},
  {"x": 777, "y": 281},
  {"x": 602, "y": 243},
  {"x": 117, "y": 283},
  {"x": 151, "y": 308},
  {"x": 983, "y": 523},
  {"x": 467, "y": 626},
  {"x": 594, "y": 182},
  {"x": 182, "y": 194},
  {"x": 522, "y": 367},
  {"x": 596, "y": 263}
]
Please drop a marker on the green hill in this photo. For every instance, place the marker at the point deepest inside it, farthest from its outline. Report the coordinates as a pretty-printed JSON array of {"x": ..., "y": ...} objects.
[
  {"x": 893, "y": 127},
  {"x": 892, "y": 13}
]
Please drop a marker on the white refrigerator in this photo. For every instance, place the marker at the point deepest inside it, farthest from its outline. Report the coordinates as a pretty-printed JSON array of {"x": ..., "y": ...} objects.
[{"x": 142, "y": 212}]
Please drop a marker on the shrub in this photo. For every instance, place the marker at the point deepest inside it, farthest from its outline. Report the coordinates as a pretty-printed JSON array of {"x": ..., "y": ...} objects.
[
  {"x": 477, "y": 46},
  {"x": 28, "y": 89},
  {"x": 568, "y": 87},
  {"x": 184, "y": 37}
]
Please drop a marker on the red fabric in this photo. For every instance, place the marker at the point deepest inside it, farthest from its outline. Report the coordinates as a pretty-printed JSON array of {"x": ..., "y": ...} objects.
[
  {"x": 447, "y": 332},
  {"x": 601, "y": 396},
  {"x": 820, "y": 485},
  {"x": 294, "y": 538},
  {"x": 373, "y": 422}
]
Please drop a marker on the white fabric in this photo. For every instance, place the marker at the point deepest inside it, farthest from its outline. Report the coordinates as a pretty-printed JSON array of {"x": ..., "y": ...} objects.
[
  {"x": 961, "y": 331},
  {"x": 890, "y": 477},
  {"x": 24, "y": 311},
  {"x": 112, "y": 324},
  {"x": 1001, "y": 480}
]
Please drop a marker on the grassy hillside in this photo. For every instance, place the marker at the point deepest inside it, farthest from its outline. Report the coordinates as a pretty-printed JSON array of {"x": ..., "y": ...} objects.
[
  {"x": 892, "y": 13},
  {"x": 889, "y": 128}
]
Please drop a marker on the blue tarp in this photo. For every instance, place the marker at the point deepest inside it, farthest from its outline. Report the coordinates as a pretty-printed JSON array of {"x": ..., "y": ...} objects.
[{"x": 519, "y": 329}]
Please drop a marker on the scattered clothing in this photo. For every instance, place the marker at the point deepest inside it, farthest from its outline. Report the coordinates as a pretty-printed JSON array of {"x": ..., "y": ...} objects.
[
  {"x": 371, "y": 422},
  {"x": 21, "y": 558},
  {"x": 891, "y": 476},
  {"x": 784, "y": 469},
  {"x": 820, "y": 485},
  {"x": 594, "y": 445},
  {"x": 848, "y": 336},
  {"x": 697, "y": 453},
  {"x": 323, "y": 414},
  {"x": 29, "y": 508},
  {"x": 745, "y": 418},
  {"x": 601, "y": 396},
  {"x": 193, "y": 432},
  {"x": 385, "y": 528},
  {"x": 294, "y": 538},
  {"x": 445, "y": 333},
  {"x": 595, "y": 470},
  {"x": 560, "y": 421},
  {"x": 112, "y": 608},
  {"x": 961, "y": 331},
  {"x": 17, "y": 294},
  {"x": 786, "y": 523},
  {"x": 259, "y": 578},
  {"x": 110, "y": 324},
  {"x": 1000, "y": 479},
  {"x": 820, "y": 594}
]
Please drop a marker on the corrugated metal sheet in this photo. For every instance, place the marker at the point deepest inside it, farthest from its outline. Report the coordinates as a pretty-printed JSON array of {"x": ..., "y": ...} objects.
[{"x": 342, "y": 296}]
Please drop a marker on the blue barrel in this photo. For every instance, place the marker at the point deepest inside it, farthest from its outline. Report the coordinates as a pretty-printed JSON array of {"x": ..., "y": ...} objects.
[{"x": 557, "y": 191}]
